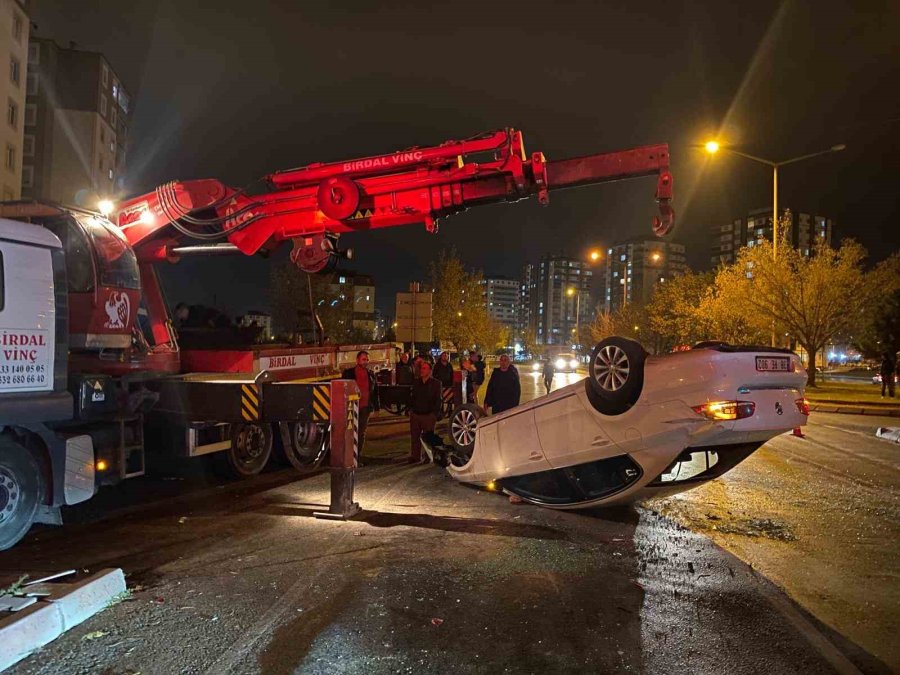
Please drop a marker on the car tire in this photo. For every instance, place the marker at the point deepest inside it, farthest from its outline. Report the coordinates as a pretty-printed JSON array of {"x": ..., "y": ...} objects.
[
  {"x": 251, "y": 448},
  {"x": 21, "y": 487},
  {"x": 307, "y": 444},
  {"x": 616, "y": 375},
  {"x": 463, "y": 423}
]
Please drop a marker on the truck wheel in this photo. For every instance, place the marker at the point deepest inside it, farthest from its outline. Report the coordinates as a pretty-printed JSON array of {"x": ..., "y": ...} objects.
[
  {"x": 308, "y": 445},
  {"x": 251, "y": 447},
  {"x": 616, "y": 374},
  {"x": 21, "y": 487},
  {"x": 463, "y": 423}
]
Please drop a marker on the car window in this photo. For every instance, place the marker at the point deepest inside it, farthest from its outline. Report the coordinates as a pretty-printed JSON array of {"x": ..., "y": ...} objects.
[
  {"x": 576, "y": 484},
  {"x": 79, "y": 266}
]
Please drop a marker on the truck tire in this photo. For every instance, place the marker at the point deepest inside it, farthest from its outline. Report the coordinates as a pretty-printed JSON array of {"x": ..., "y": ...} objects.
[
  {"x": 308, "y": 445},
  {"x": 21, "y": 487},
  {"x": 251, "y": 448},
  {"x": 616, "y": 375}
]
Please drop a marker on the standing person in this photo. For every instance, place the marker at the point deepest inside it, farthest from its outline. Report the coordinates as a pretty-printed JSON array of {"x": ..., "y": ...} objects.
[
  {"x": 478, "y": 375},
  {"x": 504, "y": 390},
  {"x": 403, "y": 373},
  {"x": 424, "y": 409},
  {"x": 468, "y": 373},
  {"x": 888, "y": 368},
  {"x": 368, "y": 393},
  {"x": 549, "y": 372},
  {"x": 443, "y": 371},
  {"x": 416, "y": 366}
]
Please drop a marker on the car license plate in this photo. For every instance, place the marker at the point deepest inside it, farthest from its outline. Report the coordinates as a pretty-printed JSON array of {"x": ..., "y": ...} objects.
[{"x": 774, "y": 364}]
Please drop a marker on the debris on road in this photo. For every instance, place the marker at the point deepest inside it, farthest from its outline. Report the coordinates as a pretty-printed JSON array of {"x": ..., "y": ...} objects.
[
  {"x": 889, "y": 433},
  {"x": 436, "y": 621}
]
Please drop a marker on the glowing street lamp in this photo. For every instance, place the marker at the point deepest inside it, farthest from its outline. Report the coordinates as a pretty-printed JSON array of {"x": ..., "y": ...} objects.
[
  {"x": 594, "y": 255},
  {"x": 573, "y": 292}
]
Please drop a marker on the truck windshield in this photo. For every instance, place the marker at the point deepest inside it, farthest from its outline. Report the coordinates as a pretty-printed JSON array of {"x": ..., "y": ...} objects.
[{"x": 115, "y": 259}]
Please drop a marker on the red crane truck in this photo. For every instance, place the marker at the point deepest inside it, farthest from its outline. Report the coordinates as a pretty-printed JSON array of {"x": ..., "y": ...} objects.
[{"x": 90, "y": 365}]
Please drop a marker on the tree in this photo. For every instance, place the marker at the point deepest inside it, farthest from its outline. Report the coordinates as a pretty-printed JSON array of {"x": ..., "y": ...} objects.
[
  {"x": 494, "y": 336},
  {"x": 631, "y": 321},
  {"x": 879, "y": 334},
  {"x": 812, "y": 298},
  {"x": 290, "y": 292},
  {"x": 459, "y": 312},
  {"x": 675, "y": 309}
]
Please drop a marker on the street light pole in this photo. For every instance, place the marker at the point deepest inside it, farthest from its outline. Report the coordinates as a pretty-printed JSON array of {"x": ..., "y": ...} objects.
[{"x": 712, "y": 147}]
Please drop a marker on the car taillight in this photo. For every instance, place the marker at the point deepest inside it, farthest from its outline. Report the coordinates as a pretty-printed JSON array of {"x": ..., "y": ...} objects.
[
  {"x": 726, "y": 410},
  {"x": 803, "y": 406}
]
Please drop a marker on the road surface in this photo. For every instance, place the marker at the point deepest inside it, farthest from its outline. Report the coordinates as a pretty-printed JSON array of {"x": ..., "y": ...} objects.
[{"x": 436, "y": 577}]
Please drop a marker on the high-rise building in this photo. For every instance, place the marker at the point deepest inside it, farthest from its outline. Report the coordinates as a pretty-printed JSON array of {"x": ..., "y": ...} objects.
[
  {"x": 14, "y": 34},
  {"x": 635, "y": 267},
  {"x": 76, "y": 123},
  {"x": 556, "y": 290},
  {"x": 527, "y": 288},
  {"x": 502, "y": 297},
  {"x": 361, "y": 288},
  {"x": 803, "y": 230}
]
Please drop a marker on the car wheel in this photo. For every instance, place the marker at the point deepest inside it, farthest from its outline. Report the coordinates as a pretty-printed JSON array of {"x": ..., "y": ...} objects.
[
  {"x": 251, "y": 448},
  {"x": 616, "y": 374},
  {"x": 463, "y": 424},
  {"x": 21, "y": 487},
  {"x": 308, "y": 445}
]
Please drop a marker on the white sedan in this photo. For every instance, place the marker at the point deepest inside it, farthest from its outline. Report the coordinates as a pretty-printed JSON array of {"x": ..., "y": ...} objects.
[{"x": 638, "y": 426}]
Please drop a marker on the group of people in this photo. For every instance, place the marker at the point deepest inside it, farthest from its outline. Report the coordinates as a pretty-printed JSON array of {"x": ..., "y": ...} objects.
[{"x": 427, "y": 383}]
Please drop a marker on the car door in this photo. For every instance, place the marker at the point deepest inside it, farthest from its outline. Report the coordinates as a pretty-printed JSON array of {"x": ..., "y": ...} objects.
[{"x": 569, "y": 432}]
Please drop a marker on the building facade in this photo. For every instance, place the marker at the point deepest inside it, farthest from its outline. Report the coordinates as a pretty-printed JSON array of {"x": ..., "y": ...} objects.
[
  {"x": 76, "y": 125},
  {"x": 556, "y": 298},
  {"x": 360, "y": 289},
  {"x": 803, "y": 230},
  {"x": 14, "y": 36},
  {"x": 502, "y": 297},
  {"x": 635, "y": 267}
]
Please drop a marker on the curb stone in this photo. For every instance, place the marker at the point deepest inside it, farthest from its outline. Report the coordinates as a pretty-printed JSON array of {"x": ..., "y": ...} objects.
[{"x": 24, "y": 632}]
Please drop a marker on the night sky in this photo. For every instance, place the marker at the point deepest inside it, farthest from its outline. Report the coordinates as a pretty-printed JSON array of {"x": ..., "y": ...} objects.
[{"x": 236, "y": 90}]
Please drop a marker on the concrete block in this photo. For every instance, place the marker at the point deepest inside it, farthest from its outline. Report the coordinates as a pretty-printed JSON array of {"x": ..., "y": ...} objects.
[
  {"x": 23, "y": 632},
  {"x": 90, "y": 596}
]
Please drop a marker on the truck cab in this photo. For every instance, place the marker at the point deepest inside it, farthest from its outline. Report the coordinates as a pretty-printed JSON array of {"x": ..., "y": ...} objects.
[{"x": 40, "y": 468}]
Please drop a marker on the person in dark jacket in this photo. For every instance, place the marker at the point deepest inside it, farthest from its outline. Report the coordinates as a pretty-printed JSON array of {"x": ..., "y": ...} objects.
[
  {"x": 424, "y": 409},
  {"x": 478, "y": 375},
  {"x": 504, "y": 390},
  {"x": 548, "y": 372},
  {"x": 403, "y": 371},
  {"x": 443, "y": 371},
  {"x": 368, "y": 393}
]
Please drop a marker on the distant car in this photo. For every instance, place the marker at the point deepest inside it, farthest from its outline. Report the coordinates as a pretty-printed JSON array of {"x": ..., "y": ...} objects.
[
  {"x": 565, "y": 363},
  {"x": 638, "y": 426}
]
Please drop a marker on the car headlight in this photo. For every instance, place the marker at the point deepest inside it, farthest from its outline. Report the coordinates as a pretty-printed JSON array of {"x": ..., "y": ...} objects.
[
  {"x": 560, "y": 364},
  {"x": 535, "y": 366},
  {"x": 573, "y": 364}
]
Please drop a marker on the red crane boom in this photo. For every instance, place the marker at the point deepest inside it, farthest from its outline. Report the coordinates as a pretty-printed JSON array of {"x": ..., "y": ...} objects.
[{"x": 313, "y": 205}]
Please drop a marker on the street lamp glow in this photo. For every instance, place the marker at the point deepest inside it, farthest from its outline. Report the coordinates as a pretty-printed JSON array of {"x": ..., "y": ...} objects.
[
  {"x": 105, "y": 206},
  {"x": 712, "y": 147},
  {"x": 655, "y": 257},
  {"x": 570, "y": 291},
  {"x": 594, "y": 255}
]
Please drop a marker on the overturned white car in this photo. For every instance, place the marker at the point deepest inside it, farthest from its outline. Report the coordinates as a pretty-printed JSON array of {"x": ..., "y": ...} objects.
[{"x": 638, "y": 426}]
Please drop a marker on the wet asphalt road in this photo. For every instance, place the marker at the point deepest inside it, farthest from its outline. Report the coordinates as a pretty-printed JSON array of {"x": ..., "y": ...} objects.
[{"x": 437, "y": 577}]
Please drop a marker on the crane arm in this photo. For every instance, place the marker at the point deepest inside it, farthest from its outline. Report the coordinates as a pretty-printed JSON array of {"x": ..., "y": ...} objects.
[{"x": 312, "y": 205}]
